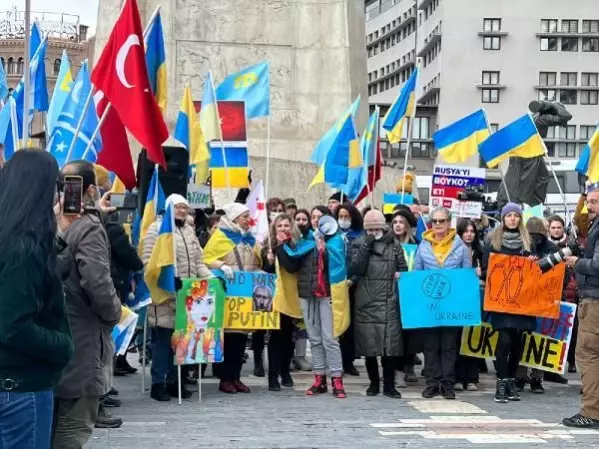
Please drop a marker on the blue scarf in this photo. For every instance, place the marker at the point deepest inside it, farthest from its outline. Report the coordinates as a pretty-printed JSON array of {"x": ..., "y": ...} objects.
[
  {"x": 238, "y": 237},
  {"x": 352, "y": 234}
]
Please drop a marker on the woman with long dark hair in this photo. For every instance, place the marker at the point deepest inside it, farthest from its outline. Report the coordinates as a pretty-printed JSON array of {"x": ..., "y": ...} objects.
[
  {"x": 35, "y": 337},
  {"x": 467, "y": 368},
  {"x": 351, "y": 226}
]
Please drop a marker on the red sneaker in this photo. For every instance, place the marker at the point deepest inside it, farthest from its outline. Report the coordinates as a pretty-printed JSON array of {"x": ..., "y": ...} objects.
[
  {"x": 227, "y": 387},
  {"x": 338, "y": 390},
  {"x": 240, "y": 387},
  {"x": 319, "y": 386}
]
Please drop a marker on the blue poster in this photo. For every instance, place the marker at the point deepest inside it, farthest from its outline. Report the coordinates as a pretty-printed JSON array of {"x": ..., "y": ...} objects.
[{"x": 434, "y": 298}]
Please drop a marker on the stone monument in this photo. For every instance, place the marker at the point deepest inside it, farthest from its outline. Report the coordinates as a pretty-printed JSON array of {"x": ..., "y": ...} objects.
[{"x": 316, "y": 50}]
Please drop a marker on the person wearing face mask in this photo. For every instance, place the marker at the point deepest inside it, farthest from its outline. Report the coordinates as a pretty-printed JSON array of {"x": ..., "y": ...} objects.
[
  {"x": 94, "y": 309},
  {"x": 275, "y": 207},
  {"x": 467, "y": 368},
  {"x": 233, "y": 248},
  {"x": 189, "y": 260},
  {"x": 441, "y": 248},
  {"x": 377, "y": 263},
  {"x": 351, "y": 228},
  {"x": 513, "y": 239}
]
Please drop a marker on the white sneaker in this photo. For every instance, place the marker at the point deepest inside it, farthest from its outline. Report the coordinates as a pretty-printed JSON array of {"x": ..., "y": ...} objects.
[{"x": 400, "y": 382}]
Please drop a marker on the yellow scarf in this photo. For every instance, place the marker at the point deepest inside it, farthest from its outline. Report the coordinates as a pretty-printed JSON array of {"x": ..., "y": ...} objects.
[{"x": 441, "y": 248}]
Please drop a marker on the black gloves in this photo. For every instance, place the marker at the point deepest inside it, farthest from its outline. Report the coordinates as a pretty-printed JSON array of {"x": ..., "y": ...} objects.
[{"x": 369, "y": 240}]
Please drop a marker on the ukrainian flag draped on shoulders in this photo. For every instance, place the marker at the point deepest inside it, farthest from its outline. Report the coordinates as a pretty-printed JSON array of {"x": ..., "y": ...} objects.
[
  {"x": 459, "y": 141},
  {"x": 403, "y": 106},
  {"x": 160, "y": 270},
  {"x": 519, "y": 139},
  {"x": 335, "y": 247},
  {"x": 225, "y": 239}
]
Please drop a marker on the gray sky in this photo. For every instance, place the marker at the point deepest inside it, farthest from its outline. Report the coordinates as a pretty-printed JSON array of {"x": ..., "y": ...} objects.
[{"x": 86, "y": 9}]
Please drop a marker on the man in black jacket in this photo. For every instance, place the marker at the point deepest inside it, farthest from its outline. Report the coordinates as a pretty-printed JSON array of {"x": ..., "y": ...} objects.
[{"x": 586, "y": 270}]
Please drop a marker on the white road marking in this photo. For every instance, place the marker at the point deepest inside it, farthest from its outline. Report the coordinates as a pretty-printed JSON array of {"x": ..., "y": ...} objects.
[{"x": 445, "y": 406}]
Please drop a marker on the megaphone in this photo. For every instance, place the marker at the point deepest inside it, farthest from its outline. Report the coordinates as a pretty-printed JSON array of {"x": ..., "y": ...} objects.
[{"x": 327, "y": 225}]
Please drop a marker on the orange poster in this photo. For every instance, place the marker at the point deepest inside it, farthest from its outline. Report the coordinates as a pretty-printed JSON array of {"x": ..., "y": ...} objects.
[{"x": 516, "y": 285}]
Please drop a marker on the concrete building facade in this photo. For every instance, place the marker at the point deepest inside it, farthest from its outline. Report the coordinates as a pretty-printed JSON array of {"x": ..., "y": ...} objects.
[{"x": 498, "y": 55}]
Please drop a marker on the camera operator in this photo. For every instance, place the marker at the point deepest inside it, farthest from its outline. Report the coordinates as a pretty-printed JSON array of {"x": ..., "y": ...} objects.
[
  {"x": 93, "y": 309},
  {"x": 586, "y": 269}
]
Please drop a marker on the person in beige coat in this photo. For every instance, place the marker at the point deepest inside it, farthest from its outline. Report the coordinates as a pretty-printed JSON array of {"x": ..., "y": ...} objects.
[
  {"x": 245, "y": 256},
  {"x": 189, "y": 264}
]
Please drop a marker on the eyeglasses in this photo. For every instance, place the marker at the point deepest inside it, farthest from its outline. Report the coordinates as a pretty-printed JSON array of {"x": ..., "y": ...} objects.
[{"x": 439, "y": 221}]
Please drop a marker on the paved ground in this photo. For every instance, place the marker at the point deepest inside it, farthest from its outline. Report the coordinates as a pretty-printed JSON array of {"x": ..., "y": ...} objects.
[{"x": 291, "y": 420}]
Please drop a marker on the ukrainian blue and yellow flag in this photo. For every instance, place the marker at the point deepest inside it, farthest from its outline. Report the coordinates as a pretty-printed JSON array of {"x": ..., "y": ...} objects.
[
  {"x": 404, "y": 106},
  {"x": 459, "y": 141},
  {"x": 230, "y": 169},
  {"x": 324, "y": 145},
  {"x": 62, "y": 89},
  {"x": 251, "y": 85},
  {"x": 160, "y": 270},
  {"x": 335, "y": 246},
  {"x": 156, "y": 62},
  {"x": 344, "y": 155},
  {"x": 155, "y": 202},
  {"x": 225, "y": 240},
  {"x": 588, "y": 164},
  {"x": 189, "y": 132},
  {"x": 390, "y": 200},
  {"x": 519, "y": 139},
  {"x": 209, "y": 118}
]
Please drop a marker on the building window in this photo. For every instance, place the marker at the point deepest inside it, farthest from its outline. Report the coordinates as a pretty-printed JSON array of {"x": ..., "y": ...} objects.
[
  {"x": 568, "y": 96},
  {"x": 490, "y": 95},
  {"x": 547, "y": 95},
  {"x": 590, "y": 44},
  {"x": 586, "y": 132},
  {"x": 420, "y": 128},
  {"x": 490, "y": 78},
  {"x": 569, "y": 26},
  {"x": 589, "y": 79},
  {"x": 566, "y": 149},
  {"x": 590, "y": 26},
  {"x": 589, "y": 97},
  {"x": 549, "y": 43},
  {"x": 549, "y": 26},
  {"x": 494, "y": 127},
  {"x": 569, "y": 44},
  {"x": 567, "y": 132},
  {"x": 492, "y": 43},
  {"x": 20, "y": 66},
  {"x": 56, "y": 67},
  {"x": 547, "y": 78},
  {"x": 568, "y": 79},
  {"x": 492, "y": 25}
]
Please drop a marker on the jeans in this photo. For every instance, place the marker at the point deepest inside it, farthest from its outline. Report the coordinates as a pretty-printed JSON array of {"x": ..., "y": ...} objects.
[
  {"x": 163, "y": 367},
  {"x": 26, "y": 420}
]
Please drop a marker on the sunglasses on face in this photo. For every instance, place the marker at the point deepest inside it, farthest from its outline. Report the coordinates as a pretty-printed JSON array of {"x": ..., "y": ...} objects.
[{"x": 439, "y": 221}]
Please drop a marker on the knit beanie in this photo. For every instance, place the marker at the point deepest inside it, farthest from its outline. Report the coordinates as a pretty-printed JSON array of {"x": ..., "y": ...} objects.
[
  {"x": 176, "y": 199},
  {"x": 234, "y": 210},
  {"x": 511, "y": 207},
  {"x": 374, "y": 219}
]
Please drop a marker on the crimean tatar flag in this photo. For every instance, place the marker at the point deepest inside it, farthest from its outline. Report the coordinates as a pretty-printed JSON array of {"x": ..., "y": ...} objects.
[
  {"x": 251, "y": 85},
  {"x": 519, "y": 139},
  {"x": 63, "y": 86},
  {"x": 403, "y": 106},
  {"x": 189, "y": 132},
  {"x": 459, "y": 141}
]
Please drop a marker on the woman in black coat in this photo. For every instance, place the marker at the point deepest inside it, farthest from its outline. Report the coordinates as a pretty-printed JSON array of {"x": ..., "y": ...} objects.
[{"x": 513, "y": 239}]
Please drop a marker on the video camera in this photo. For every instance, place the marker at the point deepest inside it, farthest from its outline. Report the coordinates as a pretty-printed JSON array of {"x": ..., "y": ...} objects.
[
  {"x": 472, "y": 194},
  {"x": 547, "y": 263}
]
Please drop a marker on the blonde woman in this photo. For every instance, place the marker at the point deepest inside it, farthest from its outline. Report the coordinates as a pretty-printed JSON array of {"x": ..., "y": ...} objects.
[{"x": 513, "y": 239}]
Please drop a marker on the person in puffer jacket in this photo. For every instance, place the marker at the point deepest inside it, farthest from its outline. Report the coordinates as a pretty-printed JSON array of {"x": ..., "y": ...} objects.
[{"x": 190, "y": 264}]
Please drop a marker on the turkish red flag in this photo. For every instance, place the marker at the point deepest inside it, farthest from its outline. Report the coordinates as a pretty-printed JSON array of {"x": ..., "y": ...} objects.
[
  {"x": 122, "y": 75},
  {"x": 374, "y": 174},
  {"x": 116, "y": 154}
]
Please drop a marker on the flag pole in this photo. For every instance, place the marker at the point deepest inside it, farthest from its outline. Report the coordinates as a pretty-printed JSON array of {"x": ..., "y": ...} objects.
[
  {"x": 370, "y": 189},
  {"x": 559, "y": 188},
  {"x": 507, "y": 193},
  {"x": 108, "y": 106},
  {"x": 267, "y": 158},
  {"x": 409, "y": 139},
  {"x": 27, "y": 77}
]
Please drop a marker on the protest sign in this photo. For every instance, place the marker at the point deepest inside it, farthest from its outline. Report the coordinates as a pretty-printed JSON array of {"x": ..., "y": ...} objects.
[
  {"x": 123, "y": 332},
  {"x": 449, "y": 181},
  {"x": 433, "y": 298},
  {"x": 198, "y": 336},
  {"x": 390, "y": 200},
  {"x": 249, "y": 301},
  {"x": 516, "y": 285},
  {"x": 198, "y": 196},
  {"x": 409, "y": 252},
  {"x": 535, "y": 211},
  {"x": 545, "y": 349}
]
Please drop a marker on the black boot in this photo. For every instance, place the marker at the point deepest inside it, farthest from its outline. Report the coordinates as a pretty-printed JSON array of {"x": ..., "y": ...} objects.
[
  {"x": 173, "y": 390},
  {"x": 159, "y": 393},
  {"x": 372, "y": 368},
  {"x": 122, "y": 363},
  {"x": 273, "y": 383},
  {"x": 389, "y": 379},
  {"x": 501, "y": 391}
]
